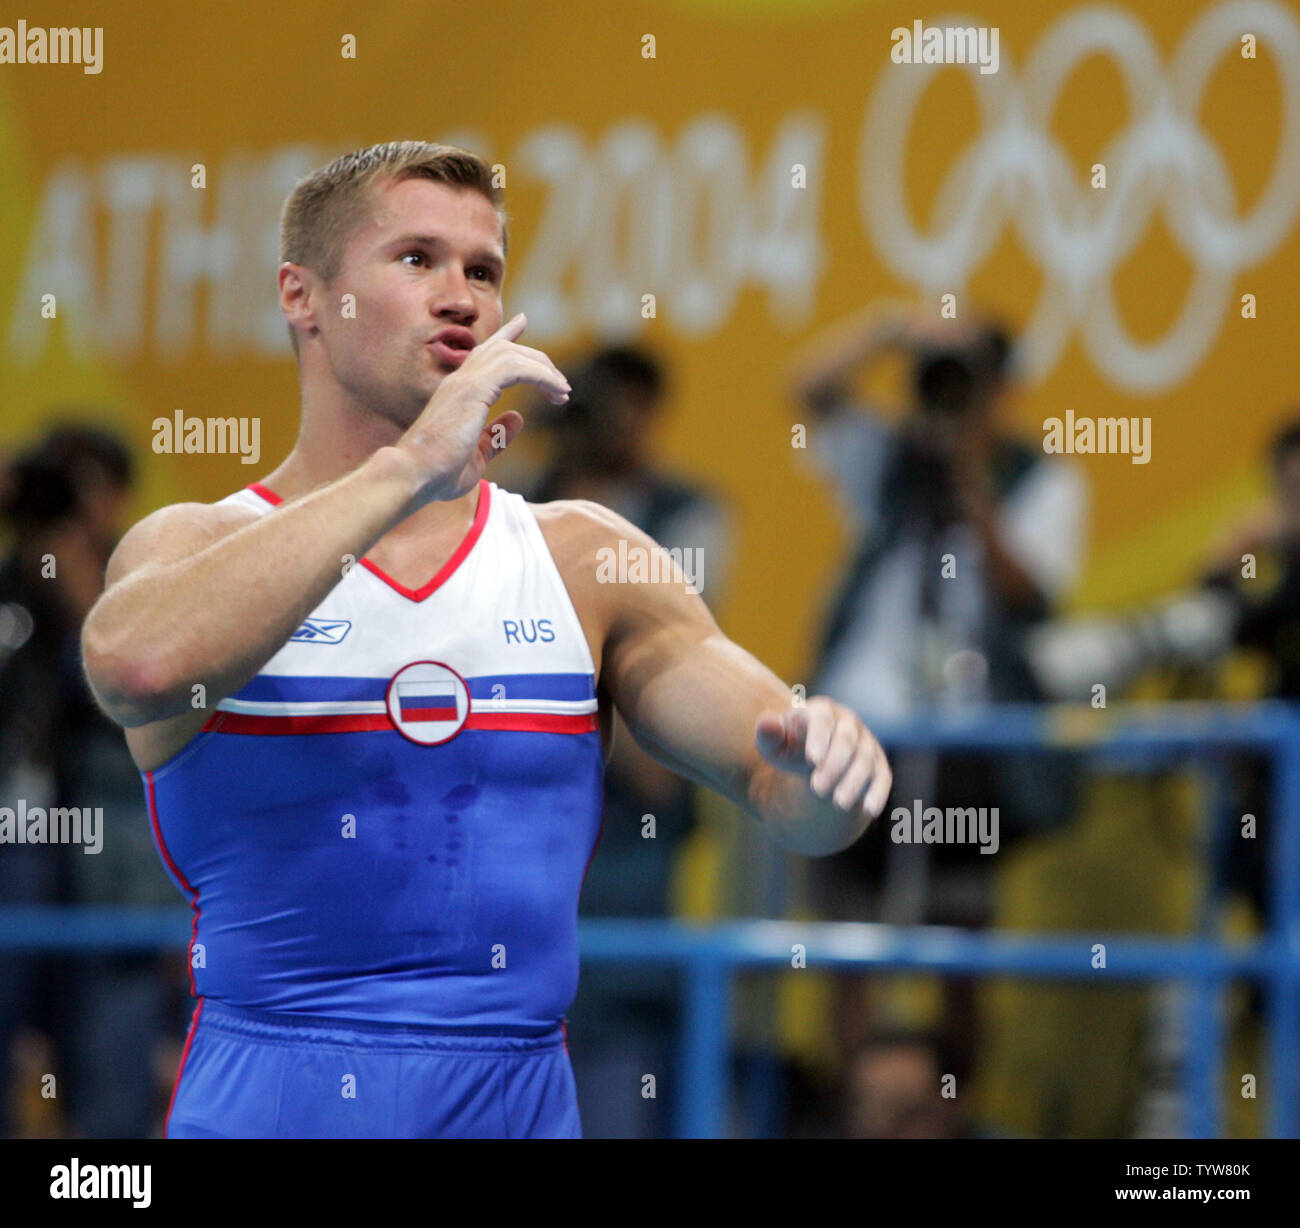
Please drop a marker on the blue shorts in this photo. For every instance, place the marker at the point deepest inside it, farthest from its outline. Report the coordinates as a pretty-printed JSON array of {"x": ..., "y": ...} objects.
[{"x": 254, "y": 1074}]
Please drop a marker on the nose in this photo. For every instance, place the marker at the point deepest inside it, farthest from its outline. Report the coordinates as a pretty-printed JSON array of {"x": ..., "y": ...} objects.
[{"x": 453, "y": 299}]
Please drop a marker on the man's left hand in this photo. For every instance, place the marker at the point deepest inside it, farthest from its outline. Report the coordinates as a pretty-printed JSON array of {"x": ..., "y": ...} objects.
[{"x": 832, "y": 749}]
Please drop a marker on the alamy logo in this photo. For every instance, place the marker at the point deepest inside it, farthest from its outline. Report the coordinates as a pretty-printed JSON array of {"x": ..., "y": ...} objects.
[
  {"x": 322, "y": 631},
  {"x": 924, "y": 44},
  {"x": 953, "y": 825},
  {"x": 82, "y": 45},
  {"x": 23, "y": 824},
  {"x": 1098, "y": 436},
  {"x": 642, "y": 565},
  {"x": 78, "y": 1180},
  {"x": 210, "y": 436}
]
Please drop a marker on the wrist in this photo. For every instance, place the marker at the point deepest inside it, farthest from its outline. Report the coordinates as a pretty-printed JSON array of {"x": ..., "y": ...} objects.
[
  {"x": 818, "y": 827},
  {"x": 396, "y": 467}
]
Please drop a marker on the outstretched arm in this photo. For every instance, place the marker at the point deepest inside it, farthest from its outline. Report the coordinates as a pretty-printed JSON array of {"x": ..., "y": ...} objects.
[{"x": 703, "y": 706}]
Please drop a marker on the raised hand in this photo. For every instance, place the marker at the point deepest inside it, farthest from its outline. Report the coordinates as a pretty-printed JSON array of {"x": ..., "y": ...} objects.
[{"x": 451, "y": 442}]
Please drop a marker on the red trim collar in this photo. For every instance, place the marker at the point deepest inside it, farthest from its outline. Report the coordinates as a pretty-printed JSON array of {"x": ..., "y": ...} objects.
[{"x": 447, "y": 569}]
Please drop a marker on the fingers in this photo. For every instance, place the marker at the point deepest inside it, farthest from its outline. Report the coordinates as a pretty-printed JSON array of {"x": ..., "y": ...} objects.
[
  {"x": 523, "y": 363},
  {"x": 511, "y": 328},
  {"x": 551, "y": 380},
  {"x": 846, "y": 758},
  {"x": 843, "y": 754},
  {"x": 818, "y": 717},
  {"x": 855, "y": 779},
  {"x": 881, "y": 783},
  {"x": 555, "y": 384},
  {"x": 832, "y": 741},
  {"x": 518, "y": 368},
  {"x": 540, "y": 355}
]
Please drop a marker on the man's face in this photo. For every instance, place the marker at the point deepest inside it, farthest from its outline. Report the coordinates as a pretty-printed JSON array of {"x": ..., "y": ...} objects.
[
  {"x": 618, "y": 436},
  {"x": 894, "y": 1093},
  {"x": 428, "y": 257}
]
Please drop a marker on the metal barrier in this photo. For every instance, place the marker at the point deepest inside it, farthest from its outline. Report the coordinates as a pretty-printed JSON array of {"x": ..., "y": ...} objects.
[{"x": 709, "y": 955}]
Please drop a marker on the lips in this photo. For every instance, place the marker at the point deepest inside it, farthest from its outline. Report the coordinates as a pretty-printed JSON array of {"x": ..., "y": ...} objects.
[
  {"x": 452, "y": 345},
  {"x": 448, "y": 355},
  {"x": 455, "y": 338}
]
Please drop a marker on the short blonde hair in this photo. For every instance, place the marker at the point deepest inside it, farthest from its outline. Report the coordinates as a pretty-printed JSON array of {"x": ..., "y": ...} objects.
[{"x": 324, "y": 209}]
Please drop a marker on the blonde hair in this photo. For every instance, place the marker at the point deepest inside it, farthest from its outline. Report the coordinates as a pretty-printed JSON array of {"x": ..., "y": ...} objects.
[{"x": 325, "y": 208}]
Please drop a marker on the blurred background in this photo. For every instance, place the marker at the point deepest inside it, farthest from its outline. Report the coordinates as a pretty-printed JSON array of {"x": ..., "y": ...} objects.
[{"x": 822, "y": 311}]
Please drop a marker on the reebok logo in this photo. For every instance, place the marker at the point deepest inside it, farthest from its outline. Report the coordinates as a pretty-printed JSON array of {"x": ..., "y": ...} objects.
[{"x": 322, "y": 631}]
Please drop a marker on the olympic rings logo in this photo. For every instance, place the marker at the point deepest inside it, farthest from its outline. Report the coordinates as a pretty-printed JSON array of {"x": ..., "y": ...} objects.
[{"x": 1016, "y": 170}]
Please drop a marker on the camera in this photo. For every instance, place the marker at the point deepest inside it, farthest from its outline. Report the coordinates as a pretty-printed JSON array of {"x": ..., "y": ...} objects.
[{"x": 951, "y": 379}]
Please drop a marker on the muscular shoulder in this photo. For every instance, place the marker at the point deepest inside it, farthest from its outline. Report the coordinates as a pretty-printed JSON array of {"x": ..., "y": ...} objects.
[
  {"x": 175, "y": 532},
  {"x": 580, "y": 533},
  {"x": 615, "y": 572},
  {"x": 579, "y": 525},
  {"x": 577, "y": 531}
]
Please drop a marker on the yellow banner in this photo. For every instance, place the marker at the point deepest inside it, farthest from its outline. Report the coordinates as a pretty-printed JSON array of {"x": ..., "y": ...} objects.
[{"x": 718, "y": 180}]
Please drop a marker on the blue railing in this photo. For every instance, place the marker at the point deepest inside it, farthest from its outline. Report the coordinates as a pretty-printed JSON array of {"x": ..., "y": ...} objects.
[{"x": 710, "y": 955}]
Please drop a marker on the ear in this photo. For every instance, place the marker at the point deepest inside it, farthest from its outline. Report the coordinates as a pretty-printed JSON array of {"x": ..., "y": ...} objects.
[{"x": 298, "y": 286}]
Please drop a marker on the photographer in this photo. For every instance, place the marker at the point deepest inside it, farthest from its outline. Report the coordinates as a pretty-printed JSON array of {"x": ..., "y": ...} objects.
[
  {"x": 946, "y": 479},
  {"x": 64, "y": 499},
  {"x": 967, "y": 537}
]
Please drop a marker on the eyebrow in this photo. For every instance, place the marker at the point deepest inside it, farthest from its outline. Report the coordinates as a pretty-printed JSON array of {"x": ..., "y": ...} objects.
[{"x": 485, "y": 255}]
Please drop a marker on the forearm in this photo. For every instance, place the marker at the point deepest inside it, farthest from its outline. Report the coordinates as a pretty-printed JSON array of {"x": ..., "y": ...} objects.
[
  {"x": 822, "y": 374},
  {"x": 216, "y": 616},
  {"x": 655, "y": 784},
  {"x": 715, "y": 746}
]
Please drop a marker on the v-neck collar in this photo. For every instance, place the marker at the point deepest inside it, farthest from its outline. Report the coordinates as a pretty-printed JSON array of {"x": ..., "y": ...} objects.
[{"x": 445, "y": 572}]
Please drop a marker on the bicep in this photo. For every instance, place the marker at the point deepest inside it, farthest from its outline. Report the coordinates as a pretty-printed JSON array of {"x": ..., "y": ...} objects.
[
  {"x": 687, "y": 694},
  {"x": 165, "y": 537}
]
